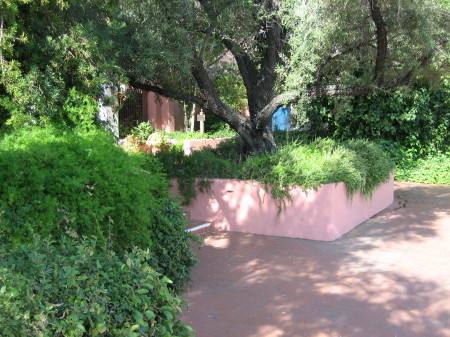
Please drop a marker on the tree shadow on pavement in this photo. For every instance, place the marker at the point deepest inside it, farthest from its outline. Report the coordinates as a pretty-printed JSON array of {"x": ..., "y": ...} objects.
[{"x": 388, "y": 277}]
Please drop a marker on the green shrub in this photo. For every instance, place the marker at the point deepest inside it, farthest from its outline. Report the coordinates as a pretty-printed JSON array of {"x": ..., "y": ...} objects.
[
  {"x": 143, "y": 130},
  {"x": 202, "y": 164},
  {"x": 57, "y": 183},
  {"x": 156, "y": 139},
  {"x": 433, "y": 169},
  {"x": 80, "y": 110},
  {"x": 76, "y": 289},
  {"x": 417, "y": 119}
]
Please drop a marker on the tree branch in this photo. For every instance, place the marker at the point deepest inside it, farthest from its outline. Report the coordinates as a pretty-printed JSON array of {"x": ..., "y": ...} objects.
[
  {"x": 168, "y": 93},
  {"x": 274, "y": 42},
  {"x": 215, "y": 105},
  {"x": 338, "y": 54},
  {"x": 266, "y": 113},
  {"x": 246, "y": 67},
  {"x": 205, "y": 40},
  {"x": 336, "y": 90},
  {"x": 382, "y": 42}
]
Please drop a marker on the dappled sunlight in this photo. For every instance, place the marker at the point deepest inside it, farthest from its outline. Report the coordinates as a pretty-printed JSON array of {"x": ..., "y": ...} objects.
[
  {"x": 385, "y": 278},
  {"x": 220, "y": 241},
  {"x": 269, "y": 331}
]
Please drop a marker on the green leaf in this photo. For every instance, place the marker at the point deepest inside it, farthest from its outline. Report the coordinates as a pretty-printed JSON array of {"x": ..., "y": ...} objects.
[{"x": 150, "y": 314}]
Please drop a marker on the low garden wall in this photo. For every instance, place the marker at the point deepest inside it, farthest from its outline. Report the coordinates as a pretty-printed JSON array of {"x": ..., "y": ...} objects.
[
  {"x": 325, "y": 214},
  {"x": 191, "y": 145}
]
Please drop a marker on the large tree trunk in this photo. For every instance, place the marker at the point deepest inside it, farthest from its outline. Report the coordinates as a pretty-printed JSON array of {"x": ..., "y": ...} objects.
[
  {"x": 259, "y": 140},
  {"x": 256, "y": 134}
]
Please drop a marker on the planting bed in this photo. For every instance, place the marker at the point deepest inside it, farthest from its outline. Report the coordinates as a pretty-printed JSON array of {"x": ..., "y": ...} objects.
[
  {"x": 325, "y": 214},
  {"x": 191, "y": 145}
]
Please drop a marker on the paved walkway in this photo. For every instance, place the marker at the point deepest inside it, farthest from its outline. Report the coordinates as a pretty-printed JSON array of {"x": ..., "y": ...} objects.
[{"x": 389, "y": 277}]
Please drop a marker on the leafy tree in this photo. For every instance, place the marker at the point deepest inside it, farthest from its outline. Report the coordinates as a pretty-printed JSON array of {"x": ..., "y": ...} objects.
[
  {"x": 49, "y": 47},
  {"x": 285, "y": 51}
]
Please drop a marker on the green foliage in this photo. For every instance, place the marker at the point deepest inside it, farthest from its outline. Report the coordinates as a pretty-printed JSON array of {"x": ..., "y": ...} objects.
[
  {"x": 330, "y": 42},
  {"x": 416, "y": 119},
  {"x": 143, "y": 130},
  {"x": 55, "y": 182},
  {"x": 80, "y": 109},
  {"x": 77, "y": 289},
  {"x": 49, "y": 47},
  {"x": 180, "y": 135},
  {"x": 360, "y": 164},
  {"x": 157, "y": 139},
  {"x": 200, "y": 164},
  {"x": 433, "y": 169},
  {"x": 232, "y": 91}
]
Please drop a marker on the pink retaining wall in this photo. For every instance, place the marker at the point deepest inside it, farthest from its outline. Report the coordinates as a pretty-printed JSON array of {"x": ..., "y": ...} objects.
[
  {"x": 326, "y": 214},
  {"x": 191, "y": 145}
]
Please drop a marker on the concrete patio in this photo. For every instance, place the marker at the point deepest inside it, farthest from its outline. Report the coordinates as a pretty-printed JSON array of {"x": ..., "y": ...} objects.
[{"x": 388, "y": 277}]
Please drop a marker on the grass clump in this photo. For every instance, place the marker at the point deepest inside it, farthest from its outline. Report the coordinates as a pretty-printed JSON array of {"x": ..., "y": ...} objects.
[
  {"x": 360, "y": 164},
  {"x": 180, "y": 135}
]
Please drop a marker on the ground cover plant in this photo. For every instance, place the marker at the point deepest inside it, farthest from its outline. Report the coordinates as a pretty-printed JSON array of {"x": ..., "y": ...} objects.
[
  {"x": 432, "y": 169},
  {"x": 180, "y": 135},
  {"x": 360, "y": 164},
  {"x": 76, "y": 288},
  {"x": 79, "y": 183}
]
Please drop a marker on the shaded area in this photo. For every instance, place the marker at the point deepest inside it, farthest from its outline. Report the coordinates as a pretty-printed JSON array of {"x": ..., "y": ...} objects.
[{"x": 387, "y": 277}]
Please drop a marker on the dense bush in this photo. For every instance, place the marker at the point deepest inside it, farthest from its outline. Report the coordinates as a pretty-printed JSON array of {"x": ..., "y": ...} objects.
[
  {"x": 78, "y": 289},
  {"x": 81, "y": 184},
  {"x": 414, "y": 119}
]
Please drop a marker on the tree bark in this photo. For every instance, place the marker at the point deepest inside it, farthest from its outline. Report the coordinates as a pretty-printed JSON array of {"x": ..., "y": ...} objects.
[{"x": 382, "y": 42}]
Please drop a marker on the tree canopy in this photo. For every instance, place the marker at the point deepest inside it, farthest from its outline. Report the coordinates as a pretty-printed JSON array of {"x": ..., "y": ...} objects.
[
  {"x": 285, "y": 51},
  {"x": 282, "y": 51},
  {"x": 49, "y": 47}
]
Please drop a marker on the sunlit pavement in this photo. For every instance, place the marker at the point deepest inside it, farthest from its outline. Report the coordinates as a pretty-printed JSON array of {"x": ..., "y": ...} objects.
[{"x": 388, "y": 277}]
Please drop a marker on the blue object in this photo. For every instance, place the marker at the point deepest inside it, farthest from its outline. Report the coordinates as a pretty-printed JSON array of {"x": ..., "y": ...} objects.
[{"x": 281, "y": 119}]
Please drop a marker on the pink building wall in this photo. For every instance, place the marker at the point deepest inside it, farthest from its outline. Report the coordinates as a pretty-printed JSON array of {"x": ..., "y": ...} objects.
[
  {"x": 326, "y": 214},
  {"x": 163, "y": 113}
]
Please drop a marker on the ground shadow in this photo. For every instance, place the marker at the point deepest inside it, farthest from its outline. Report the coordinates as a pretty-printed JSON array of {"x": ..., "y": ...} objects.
[{"x": 385, "y": 278}]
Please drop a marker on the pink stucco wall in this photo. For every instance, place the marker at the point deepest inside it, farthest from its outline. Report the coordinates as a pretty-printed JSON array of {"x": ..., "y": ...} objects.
[
  {"x": 191, "y": 145},
  {"x": 163, "y": 113},
  {"x": 326, "y": 214}
]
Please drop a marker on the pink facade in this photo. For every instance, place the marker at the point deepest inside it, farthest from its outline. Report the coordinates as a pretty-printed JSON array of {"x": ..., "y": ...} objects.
[
  {"x": 163, "y": 113},
  {"x": 191, "y": 145},
  {"x": 326, "y": 214}
]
